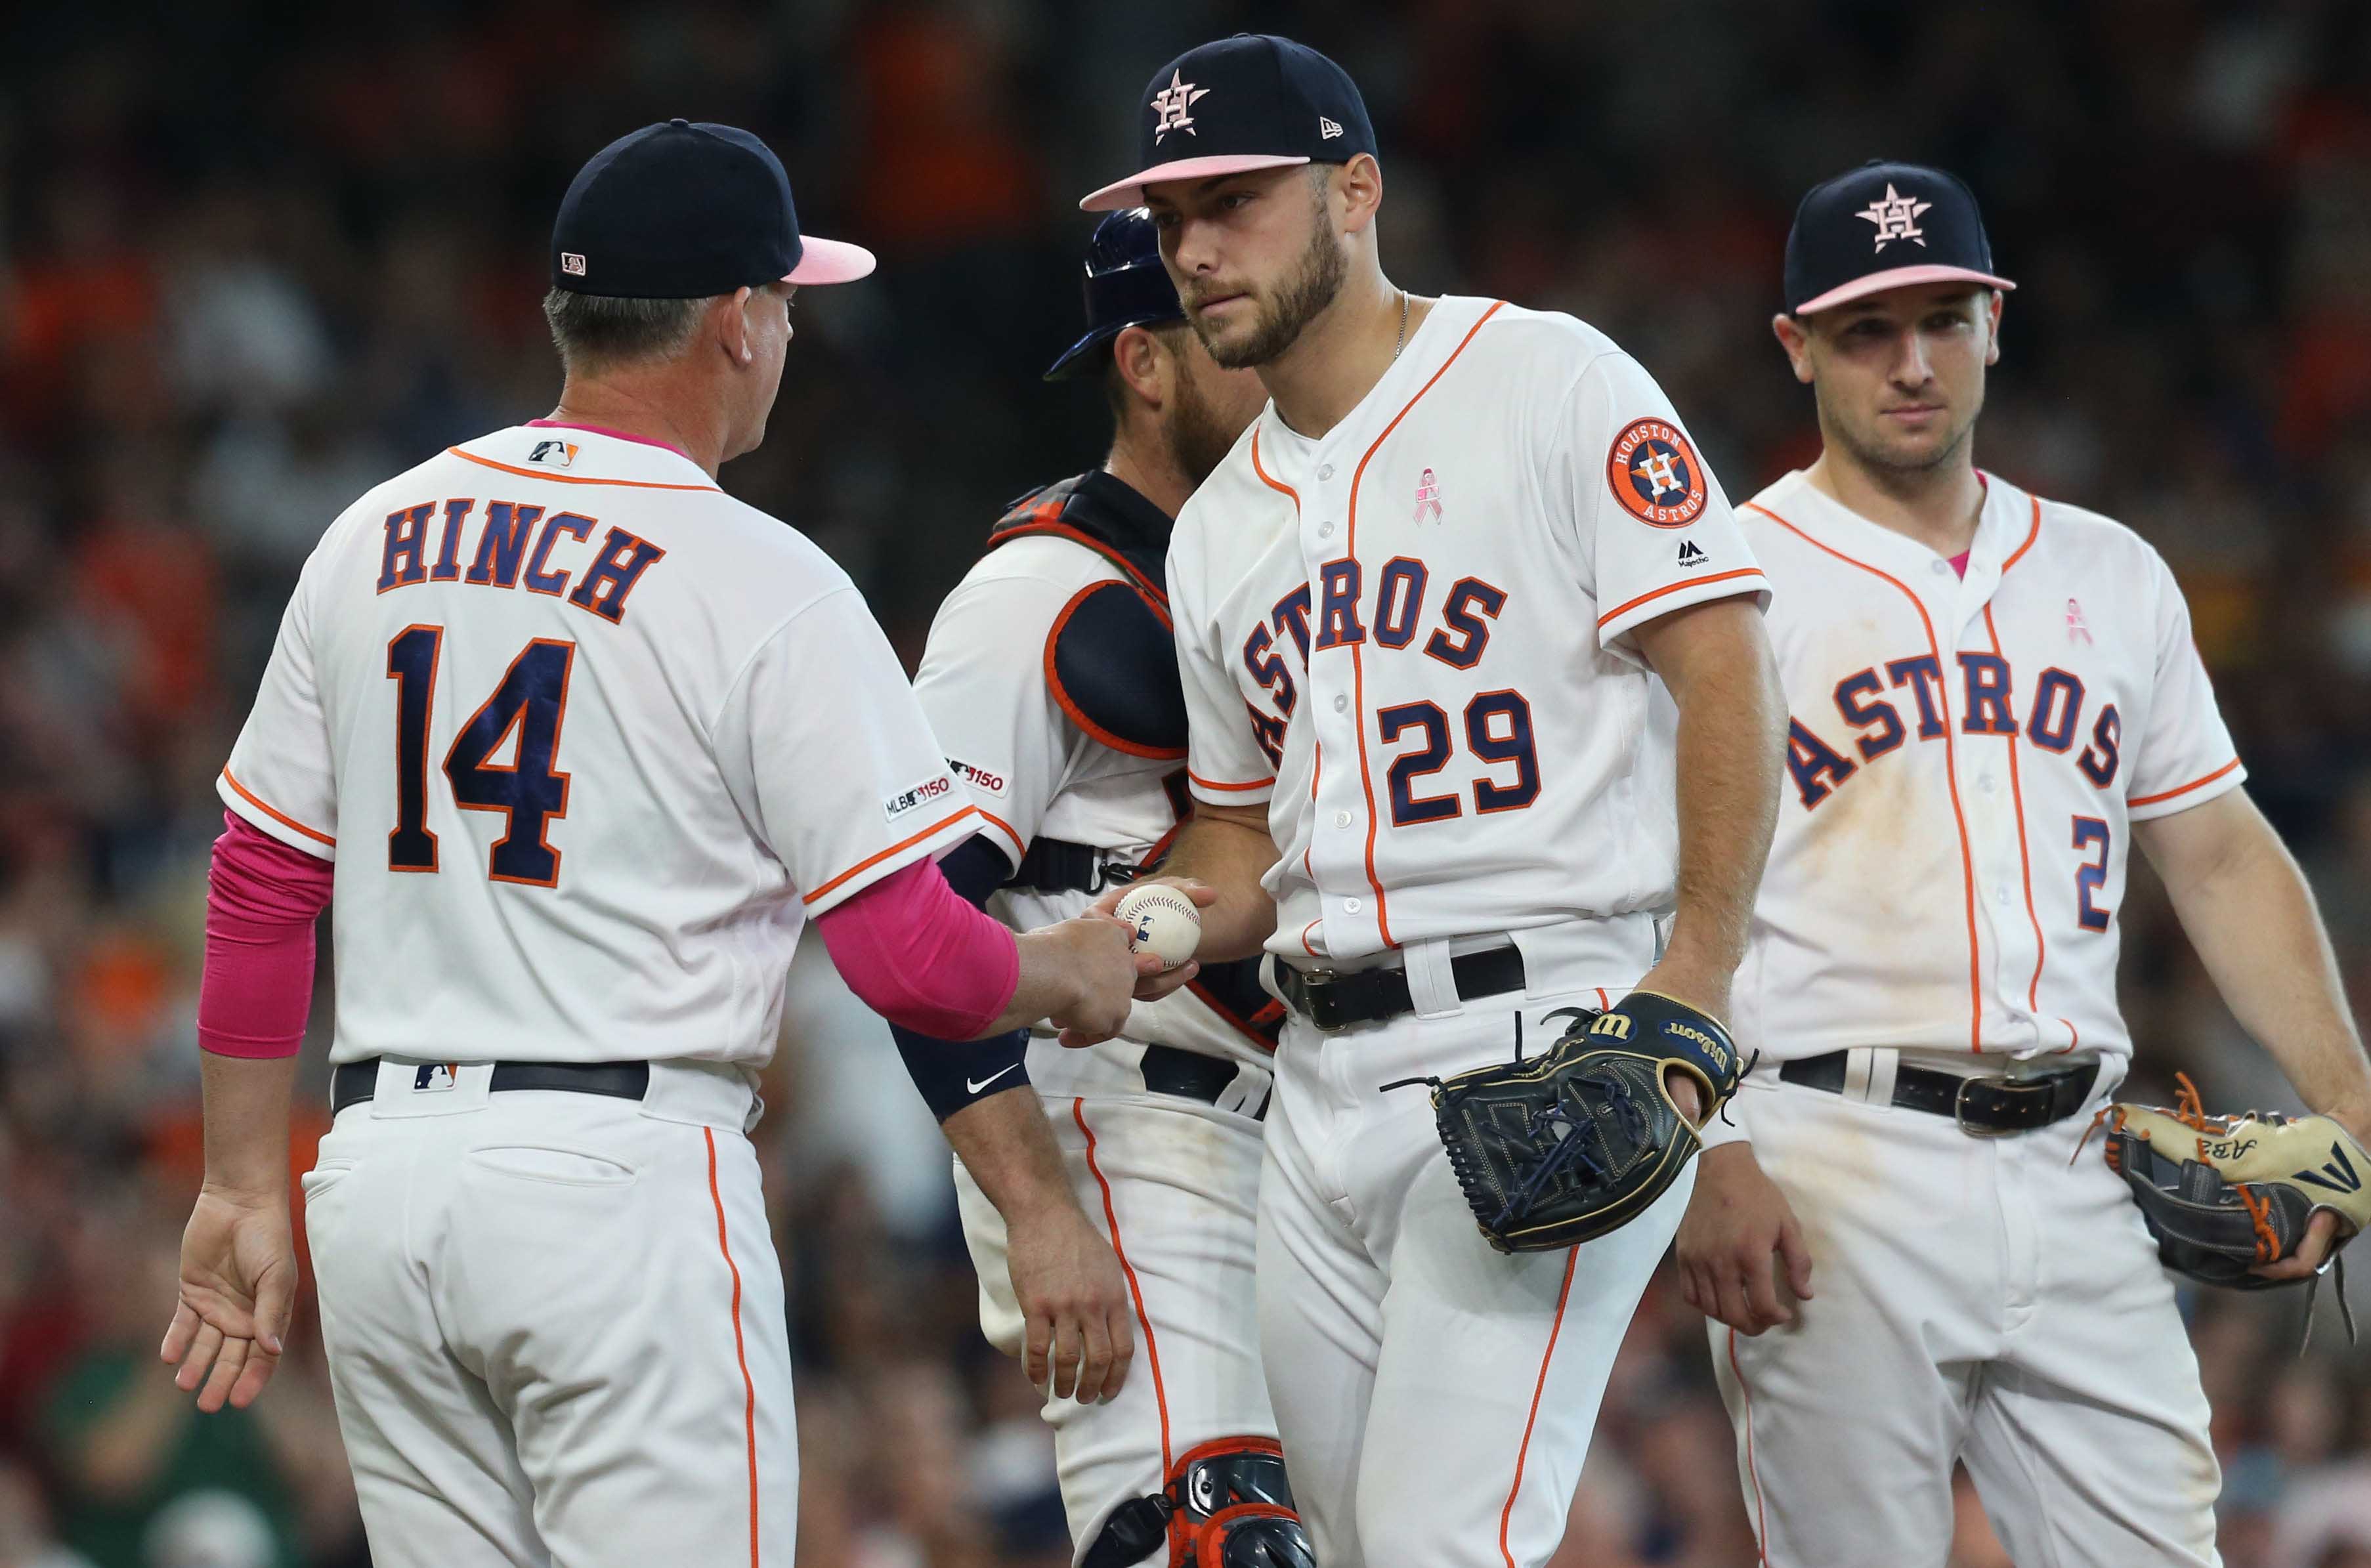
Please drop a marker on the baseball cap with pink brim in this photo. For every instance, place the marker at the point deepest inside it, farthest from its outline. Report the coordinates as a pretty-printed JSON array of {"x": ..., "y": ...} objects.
[
  {"x": 1885, "y": 225},
  {"x": 686, "y": 210},
  {"x": 1247, "y": 102}
]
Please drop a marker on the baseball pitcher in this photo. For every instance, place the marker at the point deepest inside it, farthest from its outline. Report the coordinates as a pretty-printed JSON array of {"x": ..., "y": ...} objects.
[{"x": 1482, "y": 729}]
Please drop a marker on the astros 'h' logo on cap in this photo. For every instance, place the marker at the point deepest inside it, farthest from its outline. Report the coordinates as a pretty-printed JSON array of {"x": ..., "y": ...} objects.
[
  {"x": 1896, "y": 217},
  {"x": 1171, "y": 104},
  {"x": 1655, "y": 474}
]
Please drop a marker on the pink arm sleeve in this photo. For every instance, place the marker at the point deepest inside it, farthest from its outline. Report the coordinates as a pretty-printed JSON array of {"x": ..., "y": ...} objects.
[
  {"x": 920, "y": 957},
  {"x": 261, "y": 905}
]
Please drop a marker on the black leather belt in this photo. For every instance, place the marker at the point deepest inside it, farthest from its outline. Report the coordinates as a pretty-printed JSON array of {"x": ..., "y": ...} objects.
[
  {"x": 1337, "y": 1000},
  {"x": 1056, "y": 865},
  {"x": 1168, "y": 1071},
  {"x": 354, "y": 1082},
  {"x": 1987, "y": 1106}
]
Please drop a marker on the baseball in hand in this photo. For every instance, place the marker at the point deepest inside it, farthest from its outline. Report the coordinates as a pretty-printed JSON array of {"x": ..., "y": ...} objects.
[{"x": 1163, "y": 922}]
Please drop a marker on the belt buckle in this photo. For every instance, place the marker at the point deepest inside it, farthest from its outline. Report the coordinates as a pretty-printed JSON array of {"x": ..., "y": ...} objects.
[
  {"x": 1960, "y": 1106},
  {"x": 1315, "y": 988}
]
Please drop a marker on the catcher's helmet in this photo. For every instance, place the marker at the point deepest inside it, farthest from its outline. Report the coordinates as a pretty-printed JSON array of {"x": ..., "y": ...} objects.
[{"x": 1125, "y": 286}]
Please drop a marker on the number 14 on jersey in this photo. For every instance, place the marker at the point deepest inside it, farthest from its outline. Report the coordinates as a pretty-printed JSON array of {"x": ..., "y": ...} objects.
[{"x": 529, "y": 704}]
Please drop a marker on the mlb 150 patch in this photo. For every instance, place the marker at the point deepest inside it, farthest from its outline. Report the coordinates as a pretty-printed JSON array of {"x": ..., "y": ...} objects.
[{"x": 1655, "y": 474}]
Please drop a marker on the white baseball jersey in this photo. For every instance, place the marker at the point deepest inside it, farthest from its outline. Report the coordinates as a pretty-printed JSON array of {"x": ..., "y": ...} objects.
[
  {"x": 1035, "y": 772},
  {"x": 1411, "y": 637},
  {"x": 1966, "y": 757},
  {"x": 588, "y": 740},
  {"x": 1031, "y": 770}
]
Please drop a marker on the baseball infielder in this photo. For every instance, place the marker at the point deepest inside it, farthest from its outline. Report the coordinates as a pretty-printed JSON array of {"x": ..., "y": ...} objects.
[
  {"x": 1994, "y": 696},
  {"x": 1052, "y": 678},
  {"x": 1433, "y": 611},
  {"x": 581, "y": 742}
]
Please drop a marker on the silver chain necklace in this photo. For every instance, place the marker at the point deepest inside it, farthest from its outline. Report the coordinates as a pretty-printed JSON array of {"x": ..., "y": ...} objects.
[{"x": 1403, "y": 342}]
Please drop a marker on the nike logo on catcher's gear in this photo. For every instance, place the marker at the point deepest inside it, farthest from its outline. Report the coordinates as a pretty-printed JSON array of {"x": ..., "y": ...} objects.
[{"x": 971, "y": 1088}]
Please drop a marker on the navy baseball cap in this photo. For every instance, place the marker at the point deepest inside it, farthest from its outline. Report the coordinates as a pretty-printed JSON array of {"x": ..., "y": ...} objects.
[
  {"x": 684, "y": 211},
  {"x": 1884, "y": 226},
  {"x": 1250, "y": 101},
  {"x": 1125, "y": 286}
]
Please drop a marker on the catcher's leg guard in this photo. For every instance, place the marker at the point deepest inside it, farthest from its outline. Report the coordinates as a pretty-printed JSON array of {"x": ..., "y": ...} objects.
[{"x": 1226, "y": 1504}]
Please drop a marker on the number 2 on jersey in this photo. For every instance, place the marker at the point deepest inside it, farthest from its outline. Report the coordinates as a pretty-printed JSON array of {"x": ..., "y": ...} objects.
[{"x": 530, "y": 700}]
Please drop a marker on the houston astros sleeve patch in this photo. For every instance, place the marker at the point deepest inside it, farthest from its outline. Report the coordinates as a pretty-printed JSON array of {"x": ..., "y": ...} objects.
[{"x": 1655, "y": 474}]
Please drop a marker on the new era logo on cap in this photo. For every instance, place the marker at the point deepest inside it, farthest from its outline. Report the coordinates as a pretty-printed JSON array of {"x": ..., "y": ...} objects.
[
  {"x": 1248, "y": 102},
  {"x": 1885, "y": 225},
  {"x": 572, "y": 263}
]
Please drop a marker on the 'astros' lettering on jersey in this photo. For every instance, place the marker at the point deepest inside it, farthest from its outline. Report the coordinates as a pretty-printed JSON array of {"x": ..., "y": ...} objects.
[
  {"x": 1411, "y": 637},
  {"x": 1966, "y": 757},
  {"x": 586, "y": 739}
]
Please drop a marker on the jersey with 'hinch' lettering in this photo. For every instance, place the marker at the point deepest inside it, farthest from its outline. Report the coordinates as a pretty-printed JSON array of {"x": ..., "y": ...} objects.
[{"x": 586, "y": 740}]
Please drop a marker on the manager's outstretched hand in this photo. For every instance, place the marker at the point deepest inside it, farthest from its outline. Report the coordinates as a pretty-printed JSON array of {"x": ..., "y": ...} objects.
[{"x": 238, "y": 1278}]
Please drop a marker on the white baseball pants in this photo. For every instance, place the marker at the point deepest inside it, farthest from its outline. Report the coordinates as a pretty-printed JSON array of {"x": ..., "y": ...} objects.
[
  {"x": 1172, "y": 1183},
  {"x": 555, "y": 1324},
  {"x": 1435, "y": 1397},
  {"x": 1977, "y": 1299}
]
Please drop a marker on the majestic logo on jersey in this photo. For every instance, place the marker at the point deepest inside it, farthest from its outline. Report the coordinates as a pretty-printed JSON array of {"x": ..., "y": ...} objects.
[
  {"x": 1692, "y": 555},
  {"x": 554, "y": 454},
  {"x": 1427, "y": 498},
  {"x": 1172, "y": 102},
  {"x": 572, "y": 263},
  {"x": 2076, "y": 625},
  {"x": 1655, "y": 475},
  {"x": 916, "y": 797},
  {"x": 978, "y": 778},
  {"x": 1896, "y": 217}
]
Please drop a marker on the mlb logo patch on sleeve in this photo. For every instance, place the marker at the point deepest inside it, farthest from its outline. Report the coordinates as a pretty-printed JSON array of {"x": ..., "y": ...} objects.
[{"x": 918, "y": 796}]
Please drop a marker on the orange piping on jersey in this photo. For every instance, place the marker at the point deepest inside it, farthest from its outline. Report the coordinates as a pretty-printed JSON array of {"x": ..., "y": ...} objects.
[
  {"x": 1076, "y": 714},
  {"x": 1136, "y": 1290},
  {"x": 572, "y": 479},
  {"x": 1214, "y": 784},
  {"x": 290, "y": 823},
  {"x": 2024, "y": 856},
  {"x": 2018, "y": 554},
  {"x": 872, "y": 860},
  {"x": 1020, "y": 847},
  {"x": 1305, "y": 940},
  {"x": 1048, "y": 524},
  {"x": 1316, "y": 746},
  {"x": 1270, "y": 480},
  {"x": 1752, "y": 1472},
  {"x": 1507, "y": 1514},
  {"x": 1358, "y": 665},
  {"x": 1950, "y": 769},
  {"x": 749, "y": 1386},
  {"x": 2136, "y": 800},
  {"x": 1619, "y": 610}
]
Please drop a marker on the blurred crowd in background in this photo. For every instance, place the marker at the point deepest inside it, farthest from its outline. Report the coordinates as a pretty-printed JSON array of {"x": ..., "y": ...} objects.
[{"x": 255, "y": 257}]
